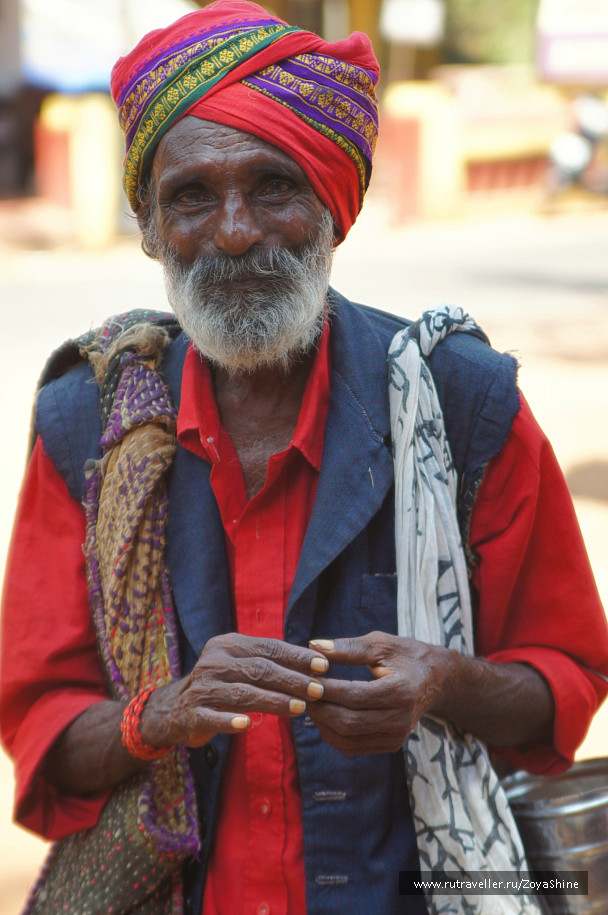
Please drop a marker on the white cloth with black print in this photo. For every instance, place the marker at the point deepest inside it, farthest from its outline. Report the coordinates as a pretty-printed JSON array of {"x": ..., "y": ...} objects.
[{"x": 462, "y": 818}]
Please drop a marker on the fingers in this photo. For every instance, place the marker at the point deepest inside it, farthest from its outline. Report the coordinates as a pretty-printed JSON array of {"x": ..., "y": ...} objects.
[
  {"x": 358, "y": 694},
  {"x": 371, "y": 650},
  {"x": 378, "y": 651},
  {"x": 250, "y": 683},
  {"x": 199, "y": 723},
  {"x": 355, "y": 734},
  {"x": 374, "y": 716},
  {"x": 236, "y": 676},
  {"x": 208, "y": 723},
  {"x": 284, "y": 654},
  {"x": 244, "y": 698},
  {"x": 270, "y": 676},
  {"x": 346, "y": 722}
]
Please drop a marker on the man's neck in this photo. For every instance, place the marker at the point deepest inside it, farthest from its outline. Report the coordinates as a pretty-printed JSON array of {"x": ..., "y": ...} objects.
[{"x": 259, "y": 410}]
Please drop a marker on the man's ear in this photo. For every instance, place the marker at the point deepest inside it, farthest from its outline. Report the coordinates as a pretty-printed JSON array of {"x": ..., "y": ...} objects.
[
  {"x": 148, "y": 251},
  {"x": 144, "y": 215}
]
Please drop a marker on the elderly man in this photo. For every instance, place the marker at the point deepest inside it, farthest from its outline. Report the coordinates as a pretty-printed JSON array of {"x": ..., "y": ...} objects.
[{"x": 232, "y": 646}]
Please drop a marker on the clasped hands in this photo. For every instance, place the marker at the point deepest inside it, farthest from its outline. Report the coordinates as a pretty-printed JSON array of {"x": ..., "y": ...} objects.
[{"x": 237, "y": 675}]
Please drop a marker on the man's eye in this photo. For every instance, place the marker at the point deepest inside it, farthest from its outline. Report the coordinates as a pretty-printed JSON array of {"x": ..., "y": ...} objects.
[
  {"x": 277, "y": 187},
  {"x": 190, "y": 196}
]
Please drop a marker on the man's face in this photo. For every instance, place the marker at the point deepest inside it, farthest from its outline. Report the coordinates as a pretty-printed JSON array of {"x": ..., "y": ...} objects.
[
  {"x": 220, "y": 190},
  {"x": 245, "y": 242}
]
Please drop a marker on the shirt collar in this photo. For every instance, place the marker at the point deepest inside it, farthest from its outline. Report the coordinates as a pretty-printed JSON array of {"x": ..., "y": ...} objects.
[{"x": 198, "y": 424}]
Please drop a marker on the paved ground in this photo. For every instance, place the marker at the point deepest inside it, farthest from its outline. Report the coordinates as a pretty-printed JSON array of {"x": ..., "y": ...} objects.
[{"x": 539, "y": 286}]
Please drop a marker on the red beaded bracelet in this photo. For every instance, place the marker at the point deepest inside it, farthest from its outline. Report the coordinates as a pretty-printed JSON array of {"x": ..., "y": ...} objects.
[{"x": 129, "y": 728}]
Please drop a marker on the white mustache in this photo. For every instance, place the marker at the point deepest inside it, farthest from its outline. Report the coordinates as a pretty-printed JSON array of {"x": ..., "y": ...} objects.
[{"x": 261, "y": 308}]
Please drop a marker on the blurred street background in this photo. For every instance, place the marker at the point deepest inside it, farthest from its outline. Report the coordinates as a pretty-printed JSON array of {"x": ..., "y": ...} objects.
[{"x": 490, "y": 191}]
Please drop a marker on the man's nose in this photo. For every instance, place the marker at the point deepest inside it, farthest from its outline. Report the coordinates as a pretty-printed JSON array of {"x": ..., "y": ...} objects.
[{"x": 237, "y": 227}]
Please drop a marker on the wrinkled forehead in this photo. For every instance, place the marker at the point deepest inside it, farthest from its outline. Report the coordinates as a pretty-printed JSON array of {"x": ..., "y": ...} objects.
[{"x": 198, "y": 147}]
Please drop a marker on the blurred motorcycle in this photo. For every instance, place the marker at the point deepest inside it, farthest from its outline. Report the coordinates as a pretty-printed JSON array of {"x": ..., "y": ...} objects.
[{"x": 577, "y": 156}]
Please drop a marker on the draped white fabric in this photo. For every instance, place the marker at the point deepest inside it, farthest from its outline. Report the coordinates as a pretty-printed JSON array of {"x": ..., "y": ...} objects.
[{"x": 462, "y": 817}]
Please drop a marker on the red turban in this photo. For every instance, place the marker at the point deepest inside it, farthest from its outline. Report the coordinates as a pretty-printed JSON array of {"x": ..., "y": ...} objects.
[{"x": 235, "y": 64}]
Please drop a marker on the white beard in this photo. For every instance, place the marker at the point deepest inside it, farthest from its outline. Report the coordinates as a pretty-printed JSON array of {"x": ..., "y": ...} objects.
[{"x": 262, "y": 309}]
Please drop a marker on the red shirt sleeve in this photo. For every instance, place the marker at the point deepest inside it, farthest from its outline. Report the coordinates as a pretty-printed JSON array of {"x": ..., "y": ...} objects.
[
  {"x": 538, "y": 602},
  {"x": 50, "y": 669}
]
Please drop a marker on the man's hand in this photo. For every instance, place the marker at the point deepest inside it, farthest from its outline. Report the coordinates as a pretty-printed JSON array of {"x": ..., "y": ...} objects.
[
  {"x": 503, "y": 704},
  {"x": 234, "y": 676},
  {"x": 358, "y": 716}
]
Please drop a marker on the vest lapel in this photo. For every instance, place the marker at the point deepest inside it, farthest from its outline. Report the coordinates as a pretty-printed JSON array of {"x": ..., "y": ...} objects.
[
  {"x": 357, "y": 468},
  {"x": 196, "y": 553}
]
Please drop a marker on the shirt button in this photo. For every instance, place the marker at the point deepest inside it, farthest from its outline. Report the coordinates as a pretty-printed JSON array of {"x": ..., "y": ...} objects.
[
  {"x": 263, "y": 909},
  {"x": 265, "y": 807}
]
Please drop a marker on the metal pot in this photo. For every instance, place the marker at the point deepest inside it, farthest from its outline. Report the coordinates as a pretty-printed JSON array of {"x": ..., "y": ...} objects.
[{"x": 563, "y": 821}]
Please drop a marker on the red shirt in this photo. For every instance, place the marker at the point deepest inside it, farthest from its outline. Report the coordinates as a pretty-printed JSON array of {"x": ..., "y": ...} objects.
[
  {"x": 263, "y": 871},
  {"x": 532, "y": 572}
]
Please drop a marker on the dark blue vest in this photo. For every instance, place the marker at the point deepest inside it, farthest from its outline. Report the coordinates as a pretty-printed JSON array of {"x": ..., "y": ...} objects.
[{"x": 358, "y": 831}]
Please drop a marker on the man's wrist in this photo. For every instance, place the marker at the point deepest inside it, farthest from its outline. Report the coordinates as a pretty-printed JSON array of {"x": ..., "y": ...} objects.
[
  {"x": 130, "y": 729},
  {"x": 445, "y": 682},
  {"x": 157, "y": 724}
]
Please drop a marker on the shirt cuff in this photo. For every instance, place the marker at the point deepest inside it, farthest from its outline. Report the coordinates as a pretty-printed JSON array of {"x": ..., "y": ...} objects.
[
  {"x": 576, "y": 701},
  {"x": 39, "y": 807}
]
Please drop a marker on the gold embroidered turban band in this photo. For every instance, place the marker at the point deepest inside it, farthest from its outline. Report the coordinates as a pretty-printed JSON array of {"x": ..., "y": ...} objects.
[{"x": 235, "y": 64}]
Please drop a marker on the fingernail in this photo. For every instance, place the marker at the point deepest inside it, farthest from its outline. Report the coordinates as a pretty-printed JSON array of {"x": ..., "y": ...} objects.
[
  {"x": 322, "y": 644},
  {"x": 297, "y": 706},
  {"x": 319, "y": 665},
  {"x": 240, "y": 722},
  {"x": 314, "y": 690}
]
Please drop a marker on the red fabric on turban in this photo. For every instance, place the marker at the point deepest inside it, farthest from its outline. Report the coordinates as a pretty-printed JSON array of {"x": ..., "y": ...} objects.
[{"x": 235, "y": 64}]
